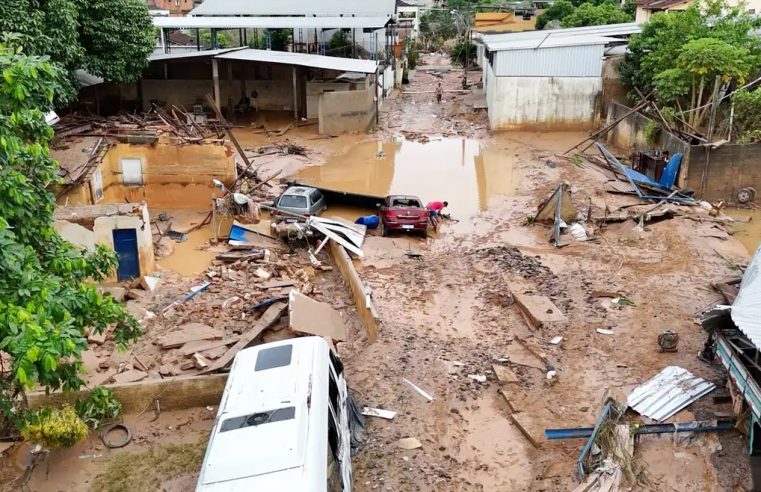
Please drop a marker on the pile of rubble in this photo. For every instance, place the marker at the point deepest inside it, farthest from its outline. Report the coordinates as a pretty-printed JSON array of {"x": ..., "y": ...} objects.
[{"x": 198, "y": 329}]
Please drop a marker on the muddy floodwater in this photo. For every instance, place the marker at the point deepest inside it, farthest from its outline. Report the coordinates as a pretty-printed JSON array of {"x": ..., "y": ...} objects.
[
  {"x": 748, "y": 233},
  {"x": 461, "y": 171}
]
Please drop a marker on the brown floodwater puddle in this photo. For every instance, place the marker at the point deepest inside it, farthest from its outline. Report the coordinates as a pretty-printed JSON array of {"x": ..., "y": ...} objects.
[
  {"x": 461, "y": 171},
  {"x": 188, "y": 258},
  {"x": 749, "y": 234}
]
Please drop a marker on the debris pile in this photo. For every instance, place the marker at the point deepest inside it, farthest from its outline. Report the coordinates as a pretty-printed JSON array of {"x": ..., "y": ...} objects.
[
  {"x": 174, "y": 121},
  {"x": 240, "y": 303}
]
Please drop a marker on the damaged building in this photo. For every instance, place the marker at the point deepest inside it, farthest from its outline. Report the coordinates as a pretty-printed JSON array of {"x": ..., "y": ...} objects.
[{"x": 124, "y": 227}]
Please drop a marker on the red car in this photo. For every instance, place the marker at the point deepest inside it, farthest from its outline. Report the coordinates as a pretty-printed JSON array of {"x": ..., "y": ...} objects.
[{"x": 403, "y": 213}]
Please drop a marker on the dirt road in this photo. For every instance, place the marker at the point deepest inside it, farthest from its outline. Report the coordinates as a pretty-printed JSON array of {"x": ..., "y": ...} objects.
[{"x": 448, "y": 314}]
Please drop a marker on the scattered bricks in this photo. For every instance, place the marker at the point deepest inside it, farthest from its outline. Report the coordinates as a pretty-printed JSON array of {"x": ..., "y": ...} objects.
[
  {"x": 528, "y": 427},
  {"x": 538, "y": 309},
  {"x": 200, "y": 361},
  {"x": 504, "y": 374},
  {"x": 97, "y": 338},
  {"x": 188, "y": 332}
]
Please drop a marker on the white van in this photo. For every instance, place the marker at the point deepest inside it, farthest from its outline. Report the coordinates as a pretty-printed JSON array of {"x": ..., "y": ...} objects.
[{"x": 282, "y": 424}]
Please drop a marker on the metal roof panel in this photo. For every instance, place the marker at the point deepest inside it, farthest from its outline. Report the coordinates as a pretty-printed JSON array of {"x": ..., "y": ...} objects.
[
  {"x": 746, "y": 310},
  {"x": 667, "y": 392},
  {"x": 229, "y": 22},
  {"x": 302, "y": 59}
]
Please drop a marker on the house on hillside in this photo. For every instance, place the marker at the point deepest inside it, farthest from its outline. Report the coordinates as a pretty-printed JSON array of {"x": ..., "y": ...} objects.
[
  {"x": 548, "y": 79},
  {"x": 173, "y": 7},
  {"x": 646, "y": 8},
  {"x": 498, "y": 22}
]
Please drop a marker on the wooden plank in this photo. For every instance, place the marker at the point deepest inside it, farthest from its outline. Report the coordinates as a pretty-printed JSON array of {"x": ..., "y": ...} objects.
[
  {"x": 314, "y": 317},
  {"x": 538, "y": 309},
  {"x": 189, "y": 332},
  {"x": 191, "y": 348},
  {"x": 268, "y": 319},
  {"x": 505, "y": 375},
  {"x": 528, "y": 427}
]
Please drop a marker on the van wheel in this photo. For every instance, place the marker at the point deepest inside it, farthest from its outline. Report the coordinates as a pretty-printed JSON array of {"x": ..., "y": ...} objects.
[{"x": 384, "y": 230}]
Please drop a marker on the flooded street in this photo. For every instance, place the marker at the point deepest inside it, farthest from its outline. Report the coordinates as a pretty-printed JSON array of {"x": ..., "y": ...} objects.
[
  {"x": 464, "y": 172},
  {"x": 748, "y": 232}
]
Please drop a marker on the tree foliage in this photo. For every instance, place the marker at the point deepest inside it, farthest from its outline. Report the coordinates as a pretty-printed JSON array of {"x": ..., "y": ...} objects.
[
  {"x": 461, "y": 51},
  {"x": 747, "y": 117},
  {"x": 679, "y": 55},
  {"x": 48, "y": 299},
  {"x": 108, "y": 38},
  {"x": 580, "y": 13},
  {"x": 340, "y": 44},
  {"x": 588, "y": 14},
  {"x": 558, "y": 11}
]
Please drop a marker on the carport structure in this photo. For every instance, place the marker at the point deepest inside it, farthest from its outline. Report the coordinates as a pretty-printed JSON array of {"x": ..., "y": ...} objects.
[{"x": 340, "y": 92}]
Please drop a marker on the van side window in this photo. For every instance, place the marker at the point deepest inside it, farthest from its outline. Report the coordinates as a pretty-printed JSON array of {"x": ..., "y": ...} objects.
[
  {"x": 333, "y": 392},
  {"x": 333, "y": 434},
  {"x": 336, "y": 363}
]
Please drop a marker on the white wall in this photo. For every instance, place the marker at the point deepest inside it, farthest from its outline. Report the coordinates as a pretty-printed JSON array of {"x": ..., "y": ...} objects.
[
  {"x": 102, "y": 233},
  {"x": 315, "y": 88},
  {"x": 541, "y": 102}
]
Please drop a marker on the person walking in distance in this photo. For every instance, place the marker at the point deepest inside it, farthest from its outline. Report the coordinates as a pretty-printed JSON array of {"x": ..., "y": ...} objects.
[{"x": 439, "y": 93}]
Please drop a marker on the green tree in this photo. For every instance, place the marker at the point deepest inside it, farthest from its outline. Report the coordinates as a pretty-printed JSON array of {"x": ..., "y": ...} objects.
[
  {"x": 747, "y": 120},
  {"x": 117, "y": 37},
  {"x": 223, "y": 39},
  {"x": 108, "y": 38},
  {"x": 460, "y": 51},
  {"x": 437, "y": 26},
  {"x": 339, "y": 44},
  {"x": 48, "y": 299},
  {"x": 558, "y": 11},
  {"x": 678, "y": 55},
  {"x": 589, "y": 14},
  {"x": 279, "y": 38}
]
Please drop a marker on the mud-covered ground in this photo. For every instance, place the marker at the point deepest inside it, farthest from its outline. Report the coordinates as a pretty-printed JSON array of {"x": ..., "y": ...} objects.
[
  {"x": 447, "y": 310},
  {"x": 448, "y": 314}
]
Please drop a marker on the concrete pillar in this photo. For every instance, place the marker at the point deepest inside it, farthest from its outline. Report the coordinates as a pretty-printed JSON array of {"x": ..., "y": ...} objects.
[
  {"x": 295, "y": 96},
  {"x": 163, "y": 40},
  {"x": 215, "y": 78}
]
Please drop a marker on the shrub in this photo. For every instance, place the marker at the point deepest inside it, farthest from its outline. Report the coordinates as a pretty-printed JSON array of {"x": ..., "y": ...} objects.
[
  {"x": 99, "y": 405},
  {"x": 54, "y": 427}
]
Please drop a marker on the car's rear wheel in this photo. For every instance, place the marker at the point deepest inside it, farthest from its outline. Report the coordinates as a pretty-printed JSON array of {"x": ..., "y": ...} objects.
[{"x": 384, "y": 230}]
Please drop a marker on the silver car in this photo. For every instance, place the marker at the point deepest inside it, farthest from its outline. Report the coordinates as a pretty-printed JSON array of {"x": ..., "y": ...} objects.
[{"x": 302, "y": 200}]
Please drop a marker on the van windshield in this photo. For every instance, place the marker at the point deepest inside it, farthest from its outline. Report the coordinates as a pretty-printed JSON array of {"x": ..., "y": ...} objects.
[
  {"x": 278, "y": 415},
  {"x": 293, "y": 201}
]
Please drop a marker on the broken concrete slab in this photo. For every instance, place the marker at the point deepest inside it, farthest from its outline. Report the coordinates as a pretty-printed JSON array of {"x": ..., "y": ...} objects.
[
  {"x": 277, "y": 283},
  {"x": 529, "y": 427},
  {"x": 200, "y": 361},
  {"x": 189, "y": 332},
  {"x": 409, "y": 443},
  {"x": 504, "y": 374},
  {"x": 538, "y": 309},
  {"x": 97, "y": 338},
  {"x": 314, "y": 317},
  {"x": 115, "y": 291},
  {"x": 191, "y": 348},
  {"x": 514, "y": 397},
  {"x": 131, "y": 376},
  {"x": 149, "y": 283},
  {"x": 378, "y": 412},
  {"x": 268, "y": 319}
]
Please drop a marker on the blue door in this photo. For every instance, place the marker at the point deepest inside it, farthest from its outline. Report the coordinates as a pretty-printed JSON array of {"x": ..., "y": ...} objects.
[{"x": 125, "y": 245}]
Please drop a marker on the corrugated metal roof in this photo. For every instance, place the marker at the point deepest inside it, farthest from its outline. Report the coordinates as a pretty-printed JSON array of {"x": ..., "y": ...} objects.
[
  {"x": 667, "y": 392},
  {"x": 296, "y": 7},
  {"x": 226, "y": 22},
  {"x": 303, "y": 60},
  {"x": 561, "y": 61},
  {"x": 606, "y": 30},
  {"x": 746, "y": 310},
  {"x": 550, "y": 42},
  {"x": 188, "y": 54}
]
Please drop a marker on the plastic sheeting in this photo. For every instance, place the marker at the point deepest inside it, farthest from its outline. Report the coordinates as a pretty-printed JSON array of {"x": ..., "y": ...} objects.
[{"x": 746, "y": 310}]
